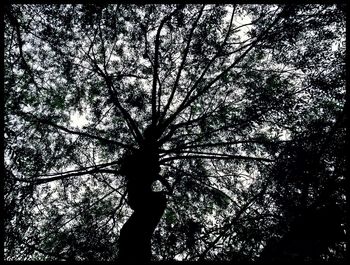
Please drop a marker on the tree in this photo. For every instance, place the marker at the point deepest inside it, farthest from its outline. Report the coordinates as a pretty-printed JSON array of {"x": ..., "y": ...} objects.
[
  {"x": 310, "y": 196},
  {"x": 170, "y": 124}
]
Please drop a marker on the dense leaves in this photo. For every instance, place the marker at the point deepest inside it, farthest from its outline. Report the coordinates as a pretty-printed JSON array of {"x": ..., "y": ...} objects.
[{"x": 246, "y": 103}]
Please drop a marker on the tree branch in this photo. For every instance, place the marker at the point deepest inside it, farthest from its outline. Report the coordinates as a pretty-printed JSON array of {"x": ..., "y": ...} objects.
[
  {"x": 215, "y": 156},
  {"x": 156, "y": 65},
  {"x": 112, "y": 92},
  {"x": 75, "y": 216},
  {"x": 181, "y": 148},
  {"x": 184, "y": 57},
  {"x": 84, "y": 134},
  {"x": 227, "y": 226},
  {"x": 16, "y": 25},
  {"x": 71, "y": 173},
  {"x": 188, "y": 101}
]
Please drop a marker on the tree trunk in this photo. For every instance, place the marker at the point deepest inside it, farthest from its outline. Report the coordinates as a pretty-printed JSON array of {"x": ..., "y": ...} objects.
[
  {"x": 136, "y": 234},
  {"x": 140, "y": 170}
]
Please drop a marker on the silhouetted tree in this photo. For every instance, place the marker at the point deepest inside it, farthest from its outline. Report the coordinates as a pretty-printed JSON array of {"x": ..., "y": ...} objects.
[{"x": 164, "y": 132}]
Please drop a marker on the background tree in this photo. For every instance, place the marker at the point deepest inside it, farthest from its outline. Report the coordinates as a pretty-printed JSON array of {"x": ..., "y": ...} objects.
[{"x": 235, "y": 112}]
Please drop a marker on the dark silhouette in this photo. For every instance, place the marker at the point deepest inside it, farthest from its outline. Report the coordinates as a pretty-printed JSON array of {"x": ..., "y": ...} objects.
[
  {"x": 141, "y": 169},
  {"x": 308, "y": 235},
  {"x": 234, "y": 109},
  {"x": 135, "y": 236}
]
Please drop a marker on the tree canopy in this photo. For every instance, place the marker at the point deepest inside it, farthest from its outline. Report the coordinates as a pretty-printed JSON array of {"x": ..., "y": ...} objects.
[{"x": 246, "y": 103}]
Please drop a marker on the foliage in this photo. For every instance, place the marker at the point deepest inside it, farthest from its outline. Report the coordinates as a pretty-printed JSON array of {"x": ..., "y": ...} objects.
[{"x": 246, "y": 100}]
